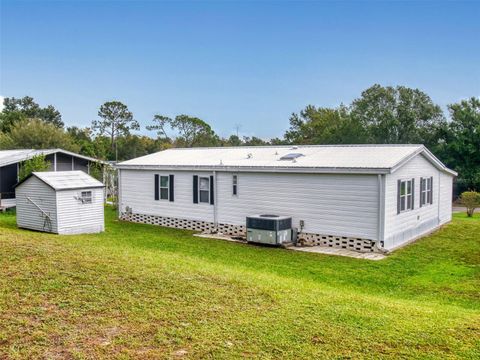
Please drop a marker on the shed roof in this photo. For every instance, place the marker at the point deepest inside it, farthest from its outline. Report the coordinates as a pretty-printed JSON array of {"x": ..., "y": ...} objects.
[
  {"x": 313, "y": 158},
  {"x": 66, "y": 180},
  {"x": 8, "y": 157}
]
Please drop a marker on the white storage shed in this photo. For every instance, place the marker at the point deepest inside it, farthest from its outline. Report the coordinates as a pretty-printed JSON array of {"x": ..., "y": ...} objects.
[
  {"x": 359, "y": 197},
  {"x": 62, "y": 202}
]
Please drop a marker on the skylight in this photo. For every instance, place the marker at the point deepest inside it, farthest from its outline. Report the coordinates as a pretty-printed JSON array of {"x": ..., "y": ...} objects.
[{"x": 291, "y": 156}]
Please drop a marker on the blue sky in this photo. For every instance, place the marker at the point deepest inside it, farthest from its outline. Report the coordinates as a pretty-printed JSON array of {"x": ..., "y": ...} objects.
[{"x": 248, "y": 63}]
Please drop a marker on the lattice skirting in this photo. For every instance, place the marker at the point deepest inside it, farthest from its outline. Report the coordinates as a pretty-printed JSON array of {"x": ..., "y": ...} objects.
[
  {"x": 341, "y": 242},
  {"x": 304, "y": 239},
  {"x": 203, "y": 226}
]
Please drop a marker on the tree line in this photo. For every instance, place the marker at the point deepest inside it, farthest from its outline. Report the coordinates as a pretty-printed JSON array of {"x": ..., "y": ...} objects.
[{"x": 380, "y": 115}]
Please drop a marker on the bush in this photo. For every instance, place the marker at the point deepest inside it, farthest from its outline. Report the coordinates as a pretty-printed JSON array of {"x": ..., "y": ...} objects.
[
  {"x": 471, "y": 200},
  {"x": 36, "y": 163}
]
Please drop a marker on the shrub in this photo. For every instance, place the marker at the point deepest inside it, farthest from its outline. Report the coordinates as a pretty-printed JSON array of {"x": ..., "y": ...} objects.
[
  {"x": 471, "y": 200},
  {"x": 36, "y": 163}
]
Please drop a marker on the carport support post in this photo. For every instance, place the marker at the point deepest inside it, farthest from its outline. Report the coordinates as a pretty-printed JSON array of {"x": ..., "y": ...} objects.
[{"x": 54, "y": 161}]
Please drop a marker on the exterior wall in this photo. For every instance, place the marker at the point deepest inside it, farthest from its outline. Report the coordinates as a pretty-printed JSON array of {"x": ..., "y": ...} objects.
[
  {"x": 28, "y": 215},
  {"x": 340, "y": 205},
  {"x": 77, "y": 218},
  {"x": 446, "y": 197},
  {"x": 329, "y": 204},
  {"x": 408, "y": 225},
  {"x": 137, "y": 192}
]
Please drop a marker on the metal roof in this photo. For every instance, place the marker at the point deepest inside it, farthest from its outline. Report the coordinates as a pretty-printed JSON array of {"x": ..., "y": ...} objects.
[
  {"x": 66, "y": 180},
  {"x": 8, "y": 157},
  {"x": 316, "y": 158}
]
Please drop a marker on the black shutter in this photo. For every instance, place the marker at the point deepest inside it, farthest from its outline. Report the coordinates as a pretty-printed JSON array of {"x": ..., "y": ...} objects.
[
  {"x": 212, "y": 195},
  {"x": 157, "y": 187},
  {"x": 171, "y": 189},
  {"x": 195, "y": 189},
  {"x": 421, "y": 191},
  {"x": 413, "y": 193},
  {"x": 399, "y": 185},
  {"x": 431, "y": 190}
]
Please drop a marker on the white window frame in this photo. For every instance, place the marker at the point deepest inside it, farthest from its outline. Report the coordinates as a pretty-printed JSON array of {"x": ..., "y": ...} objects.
[
  {"x": 160, "y": 187},
  {"x": 234, "y": 185},
  {"x": 425, "y": 189},
  {"x": 86, "y": 197},
  {"x": 207, "y": 178},
  {"x": 405, "y": 197}
]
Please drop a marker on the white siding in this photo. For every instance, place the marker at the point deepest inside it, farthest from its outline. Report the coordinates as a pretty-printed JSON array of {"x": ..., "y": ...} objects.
[
  {"x": 406, "y": 226},
  {"x": 137, "y": 192},
  {"x": 28, "y": 215},
  {"x": 446, "y": 184},
  {"x": 77, "y": 218},
  {"x": 330, "y": 204},
  {"x": 343, "y": 205}
]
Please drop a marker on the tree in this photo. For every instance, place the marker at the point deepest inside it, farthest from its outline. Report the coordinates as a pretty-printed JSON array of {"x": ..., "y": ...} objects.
[
  {"x": 35, "y": 164},
  {"x": 83, "y": 138},
  {"x": 191, "y": 131},
  {"x": 132, "y": 146},
  {"x": 460, "y": 145},
  {"x": 115, "y": 120},
  {"x": 16, "y": 110},
  {"x": 395, "y": 115},
  {"x": 324, "y": 126},
  {"x": 37, "y": 134},
  {"x": 471, "y": 200},
  {"x": 253, "y": 141},
  {"x": 160, "y": 124}
]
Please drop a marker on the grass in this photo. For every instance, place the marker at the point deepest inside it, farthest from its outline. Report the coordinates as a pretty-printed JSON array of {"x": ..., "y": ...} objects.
[{"x": 140, "y": 291}]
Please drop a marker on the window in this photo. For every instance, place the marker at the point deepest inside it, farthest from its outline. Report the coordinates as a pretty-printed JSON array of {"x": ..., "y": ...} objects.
[
  {"x": 426, "y": 191},
  {"x": 86, "y": 197},
  {"x": 406, "y": 195},
  {"x": 164, "y": 188},
  {"x": 235, "y": 185},
  {"x": 204, "y": 189}
]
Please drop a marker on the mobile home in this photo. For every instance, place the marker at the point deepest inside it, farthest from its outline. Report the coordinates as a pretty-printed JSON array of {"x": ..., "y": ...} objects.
[{"x": 360, "y": 197}]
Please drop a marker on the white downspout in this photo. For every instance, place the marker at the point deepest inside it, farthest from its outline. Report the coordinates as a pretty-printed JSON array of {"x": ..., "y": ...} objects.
[
  {"x": 215, "y": 199},
  {"x": 119, "y": 200},
  {"x": 438, "y": 198},
  {"x": 381, "y": 210}
]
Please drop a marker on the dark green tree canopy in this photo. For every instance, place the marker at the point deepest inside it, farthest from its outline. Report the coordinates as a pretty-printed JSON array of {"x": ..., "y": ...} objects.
[
  {"x": 191, "y": 131},
  {"x": 26, "y": 108},
  {"x": 324, "y": 126},
  {"x": 37, "y": 134},
  {"x": 397, "y": 115},
  {"x": 460, "y": 148}
]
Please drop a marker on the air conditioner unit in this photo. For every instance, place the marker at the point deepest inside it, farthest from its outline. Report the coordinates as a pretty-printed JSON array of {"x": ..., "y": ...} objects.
[{"x": 269, "y": 229}]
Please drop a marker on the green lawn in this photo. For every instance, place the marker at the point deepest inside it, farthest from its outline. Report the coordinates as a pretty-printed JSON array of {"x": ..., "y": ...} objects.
[{"x": 140, "y": 291}]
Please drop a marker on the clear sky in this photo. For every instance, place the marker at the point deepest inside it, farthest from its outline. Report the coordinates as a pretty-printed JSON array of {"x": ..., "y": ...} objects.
[{"x": 248, "y": 63}]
